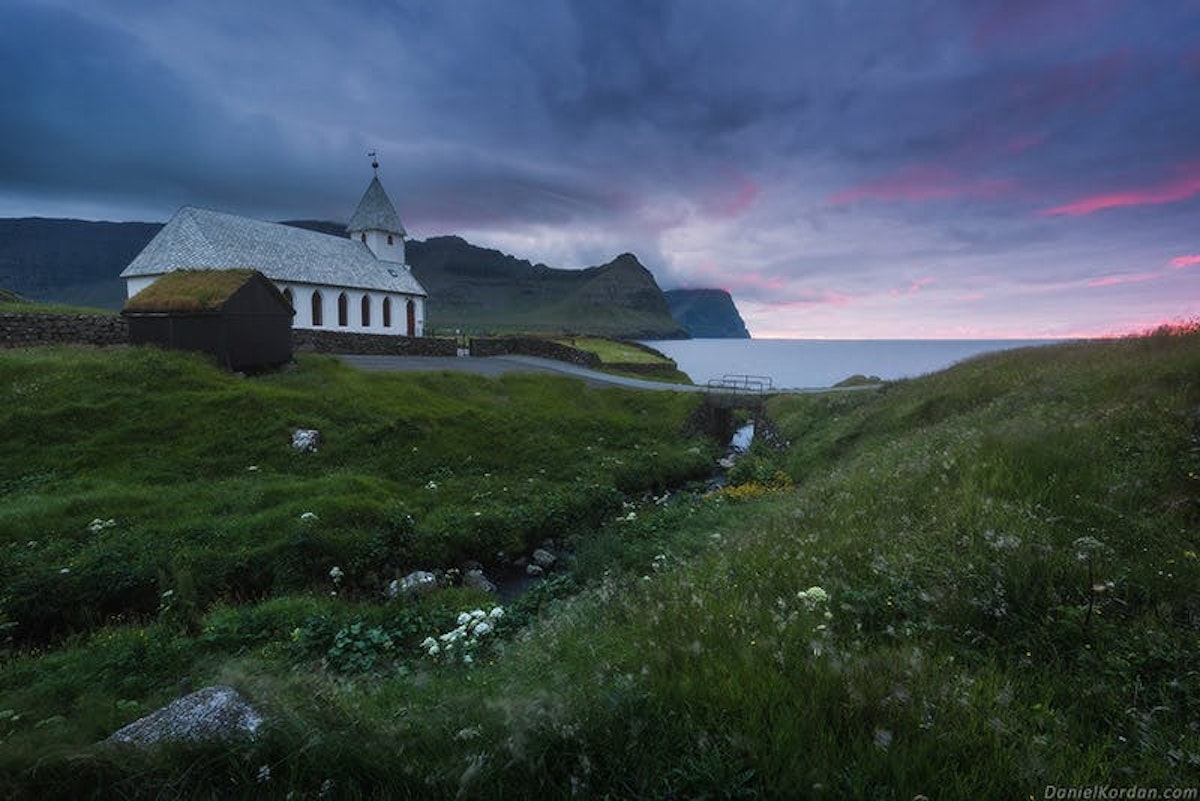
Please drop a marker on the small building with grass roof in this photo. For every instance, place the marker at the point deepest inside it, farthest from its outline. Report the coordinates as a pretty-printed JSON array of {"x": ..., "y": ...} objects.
[
  {"x": 356, "y": 283},
  {"x": 237, "y": 316}
]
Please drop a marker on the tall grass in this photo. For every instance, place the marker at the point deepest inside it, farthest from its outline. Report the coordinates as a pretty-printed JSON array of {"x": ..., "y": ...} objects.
[{"x": 982, "y": 583}]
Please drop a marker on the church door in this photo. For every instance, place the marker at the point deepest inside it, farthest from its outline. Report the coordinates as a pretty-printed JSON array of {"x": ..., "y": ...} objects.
[{"x": 412, "y": 319}]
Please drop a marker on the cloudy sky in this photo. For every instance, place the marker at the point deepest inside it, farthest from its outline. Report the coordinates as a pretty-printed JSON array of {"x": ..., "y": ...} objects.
[{"x": 846, "y": 168}]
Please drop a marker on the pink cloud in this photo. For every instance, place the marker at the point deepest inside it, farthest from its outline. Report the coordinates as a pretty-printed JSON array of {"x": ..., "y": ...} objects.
[
  {"x": 808, "y": 298},
  {"x": 920, "y": 182},
  {"x": 1113, "y": 280},
  {"x": 1183, "y": 262},
  {"x": 1184, "y": 185},
  {"x": 913, "y": 288}
]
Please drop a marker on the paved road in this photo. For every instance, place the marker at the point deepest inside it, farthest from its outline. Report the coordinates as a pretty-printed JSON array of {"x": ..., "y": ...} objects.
[{"x": 493, "y": 366}]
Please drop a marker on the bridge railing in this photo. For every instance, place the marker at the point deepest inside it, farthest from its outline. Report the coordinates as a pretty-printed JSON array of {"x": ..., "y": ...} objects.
[{"x": 741, "y": 384}]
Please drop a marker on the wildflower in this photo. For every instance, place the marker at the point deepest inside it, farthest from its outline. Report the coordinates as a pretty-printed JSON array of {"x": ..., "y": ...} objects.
[
  {"x": 1189, "y": 554},
  {"x": 253, "y": 469},
  {"x": 464, "y": 618},
  {"x": 97, "y": 525},
  {"x": 813, "y": 596},
  {"x": 336, "y": 574},
  {"x": 64, "y": 571},
  {"x": 308, "y": 517},
  {"x": 496, "y": 613},
  {"x": 431, "y": 485},
  {"x": 264, "y": 773},
  {"x": 1088, "y": 547},
  {"x": 482, "y": 628}
]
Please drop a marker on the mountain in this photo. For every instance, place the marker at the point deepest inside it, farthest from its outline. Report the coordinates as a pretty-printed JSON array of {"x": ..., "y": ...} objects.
[
  {"x": 475, "y": 288},
  {"x": 470, "y": 288},
  {"x": 706, "y": 313},
  {"x": 69, "y": 261}
]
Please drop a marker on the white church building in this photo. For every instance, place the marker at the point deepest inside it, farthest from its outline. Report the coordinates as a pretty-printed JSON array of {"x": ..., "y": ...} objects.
[{"x": 358, "y": 283}]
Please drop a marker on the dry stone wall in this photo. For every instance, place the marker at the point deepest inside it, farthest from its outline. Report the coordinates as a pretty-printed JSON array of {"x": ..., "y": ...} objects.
[
  {"x": 370, "y": 344},
  {"x": 26, "y": 329}
]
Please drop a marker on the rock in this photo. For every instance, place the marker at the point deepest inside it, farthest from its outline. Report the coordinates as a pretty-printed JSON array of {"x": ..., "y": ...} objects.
[
  {"x": 217, "y": 713},
  {"x": 305, "y": 440},
  {"x": 419, "y": 582},
  {"x": 726, "y": 462},
  {"x": 543, "y": 558},
  {"x": 471, "y": 564},
  {"x": 478, "y": 580},
  {"x": 534, "y": 570}
]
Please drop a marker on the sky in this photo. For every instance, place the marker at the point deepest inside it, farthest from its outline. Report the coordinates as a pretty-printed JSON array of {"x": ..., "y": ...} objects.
[{"x": 845, "y": 168}]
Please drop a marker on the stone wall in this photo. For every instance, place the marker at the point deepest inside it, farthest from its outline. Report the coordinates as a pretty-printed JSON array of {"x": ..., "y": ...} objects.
[
  {"x": 532, "y": 346},
  {"x": 309, "y": 340},
  {"x": 25, "y": 329}
]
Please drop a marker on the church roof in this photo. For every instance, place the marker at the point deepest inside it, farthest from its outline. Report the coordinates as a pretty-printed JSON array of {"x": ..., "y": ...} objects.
[
  {"x": 200, "y": 239},
  {"x": 375, "y": 212}
]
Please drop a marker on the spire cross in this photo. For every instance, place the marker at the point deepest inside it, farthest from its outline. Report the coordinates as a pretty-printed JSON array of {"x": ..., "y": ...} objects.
[{"x": 374, "y": 162}]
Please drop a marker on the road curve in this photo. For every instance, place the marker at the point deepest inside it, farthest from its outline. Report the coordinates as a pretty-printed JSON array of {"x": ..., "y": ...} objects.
[{"x": 493, "y": 366}]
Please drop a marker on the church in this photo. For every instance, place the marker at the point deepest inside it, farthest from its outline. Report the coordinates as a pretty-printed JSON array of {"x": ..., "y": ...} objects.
[{"x": 359, "y": 283}]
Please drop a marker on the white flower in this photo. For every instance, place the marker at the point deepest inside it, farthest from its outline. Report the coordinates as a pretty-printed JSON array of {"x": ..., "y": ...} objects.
[
  {"x": 464, "y": 618},
  {"x": 65, "y": 571},
  {"x": 496, "y": 613},
  {"x": 478, "y": 614},
  {"x": 336, "y": 574},
  {"x": 431, "y": 485},
  {"x": 307, "y": 517},
  {"x": 482, "y": 628},
  {"x": 252, "y": 468}
]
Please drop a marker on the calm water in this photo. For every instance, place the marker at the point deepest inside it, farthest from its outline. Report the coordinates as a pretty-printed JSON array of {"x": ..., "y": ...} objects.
[{"x": 804, "y": 363}]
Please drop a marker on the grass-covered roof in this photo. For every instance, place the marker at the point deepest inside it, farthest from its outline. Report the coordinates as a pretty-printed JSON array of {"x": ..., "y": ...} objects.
[
  {"x": 189, "y": 291},
  {"x": 8, "y": 296}
]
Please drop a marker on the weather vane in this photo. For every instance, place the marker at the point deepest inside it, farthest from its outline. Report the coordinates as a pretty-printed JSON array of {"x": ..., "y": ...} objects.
[{"x": 374, "y": 162}]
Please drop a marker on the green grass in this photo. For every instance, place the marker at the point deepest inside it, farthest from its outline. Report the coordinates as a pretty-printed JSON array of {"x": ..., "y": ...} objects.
[
  {"x": 21, "y": 306},
  {"x": 614, "y": 351},
  {"x": 1006, "y": 557}
]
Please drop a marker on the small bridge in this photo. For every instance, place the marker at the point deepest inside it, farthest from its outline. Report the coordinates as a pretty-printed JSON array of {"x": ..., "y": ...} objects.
[
  {"x": 738, "y": 391},
  {"x": 722, "y": 396}
]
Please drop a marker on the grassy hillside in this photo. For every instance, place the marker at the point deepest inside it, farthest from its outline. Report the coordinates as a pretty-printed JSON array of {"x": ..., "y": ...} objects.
[{"x": 970, "y": 585}]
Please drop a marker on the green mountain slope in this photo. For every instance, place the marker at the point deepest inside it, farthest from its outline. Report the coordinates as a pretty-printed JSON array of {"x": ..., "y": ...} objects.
[{"x": 470, "y": 288}]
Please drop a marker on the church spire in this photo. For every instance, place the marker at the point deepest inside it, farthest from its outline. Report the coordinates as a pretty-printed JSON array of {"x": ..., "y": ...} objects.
[{"x": 375, "y": 222}]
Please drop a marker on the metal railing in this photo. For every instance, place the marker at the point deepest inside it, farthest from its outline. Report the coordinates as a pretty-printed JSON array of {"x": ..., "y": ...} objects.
[{"x": 738, "y": 383}]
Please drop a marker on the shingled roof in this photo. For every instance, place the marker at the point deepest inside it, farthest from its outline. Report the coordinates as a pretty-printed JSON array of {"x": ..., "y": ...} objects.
[
  {"x": 201, "y": 239},
  {"x": 375, "y": 212}
]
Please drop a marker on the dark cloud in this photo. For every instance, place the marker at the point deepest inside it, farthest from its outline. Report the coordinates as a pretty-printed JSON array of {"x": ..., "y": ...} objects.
[{"x": 822, "y": 154}]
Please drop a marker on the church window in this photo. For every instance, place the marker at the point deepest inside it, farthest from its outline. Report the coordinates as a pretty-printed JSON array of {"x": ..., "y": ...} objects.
[
  {"x": 343, "y": 310},
  {"x": 363, "y": 237},
  {"x": 317, "y": 316},
  {"x": 387, "y": 312},
  {"x": 287, "y": 295},
  {"x": 390, "y": 239},
  {"x": 366, "y": 311}
]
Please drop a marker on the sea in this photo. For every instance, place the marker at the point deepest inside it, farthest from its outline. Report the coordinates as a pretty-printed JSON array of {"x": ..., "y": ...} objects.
[{"x": 816, "y": 363}]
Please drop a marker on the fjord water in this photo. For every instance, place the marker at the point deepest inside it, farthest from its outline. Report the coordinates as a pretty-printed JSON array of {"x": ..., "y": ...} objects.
[{"x": 810, "y": 363}]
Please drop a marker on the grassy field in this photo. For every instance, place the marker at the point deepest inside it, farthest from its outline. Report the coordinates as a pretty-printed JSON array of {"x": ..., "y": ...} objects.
[{"x": 976, "y": 584}]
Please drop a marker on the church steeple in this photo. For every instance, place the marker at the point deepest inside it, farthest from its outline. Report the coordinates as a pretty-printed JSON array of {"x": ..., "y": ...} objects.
[{"x": 376, "y": 224}]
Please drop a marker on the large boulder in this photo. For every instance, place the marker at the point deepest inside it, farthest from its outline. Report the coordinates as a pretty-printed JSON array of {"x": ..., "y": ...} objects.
[{"x": 217, "y": 713}]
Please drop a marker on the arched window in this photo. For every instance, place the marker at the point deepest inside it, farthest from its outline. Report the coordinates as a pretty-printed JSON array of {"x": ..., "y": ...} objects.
[
  {"x": 366, "y": 311},
  {"x": 390, "y": 239},
  {"x": 363, "y": 237},
  {"x": 387, "y": 312},
  {"x": 343, "y": 310},
  {"x": 412, "y": 319},
  {"x": 318, "y": 319},
  {"x": 287, "y": 295}
]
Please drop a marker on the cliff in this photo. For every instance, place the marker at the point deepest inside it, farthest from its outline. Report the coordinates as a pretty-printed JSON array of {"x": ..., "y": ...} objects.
[{"x": 707, "y": 313}]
